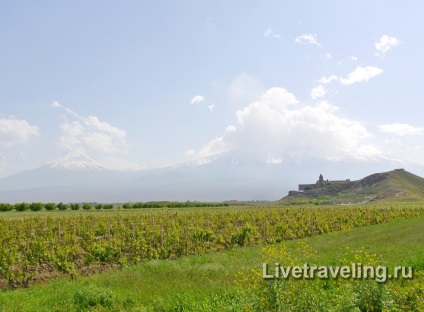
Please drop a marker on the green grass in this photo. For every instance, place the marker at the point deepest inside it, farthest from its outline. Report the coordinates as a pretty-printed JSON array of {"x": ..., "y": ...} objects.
[{"x": 160, "y": 284}]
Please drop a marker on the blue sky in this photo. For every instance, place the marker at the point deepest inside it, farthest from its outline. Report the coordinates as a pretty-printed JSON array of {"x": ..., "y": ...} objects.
[{"x": 138, "y": 84}]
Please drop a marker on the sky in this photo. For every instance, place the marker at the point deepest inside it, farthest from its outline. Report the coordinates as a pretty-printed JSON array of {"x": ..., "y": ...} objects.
[{"x": 147, "y": 84}]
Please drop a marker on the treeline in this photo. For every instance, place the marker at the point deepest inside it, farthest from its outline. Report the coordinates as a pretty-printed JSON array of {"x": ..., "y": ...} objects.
[
  {"x": 172, "y": 205},
  {"x": 38, "y": 206},
  {"x": 52, "y": 206}
]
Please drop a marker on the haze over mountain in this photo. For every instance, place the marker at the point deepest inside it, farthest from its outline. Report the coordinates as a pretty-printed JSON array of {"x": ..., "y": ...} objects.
[{"x": 75, "y": 177}]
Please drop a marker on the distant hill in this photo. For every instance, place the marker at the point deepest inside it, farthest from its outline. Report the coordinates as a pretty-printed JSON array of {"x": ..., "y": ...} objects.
[{"x": 398, "y": 185}]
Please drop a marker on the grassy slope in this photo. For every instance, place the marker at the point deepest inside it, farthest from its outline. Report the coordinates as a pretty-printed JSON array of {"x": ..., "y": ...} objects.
[
  {"x": 152, "y": 283},
  {"x": 399, "y": 186},
  {"x": 407, "y": 185}
]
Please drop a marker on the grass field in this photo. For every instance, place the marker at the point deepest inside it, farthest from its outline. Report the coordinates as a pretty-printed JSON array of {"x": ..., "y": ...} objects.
[
  {"x": 43, "y": 247},
  {"x": 209, "y": 282}
]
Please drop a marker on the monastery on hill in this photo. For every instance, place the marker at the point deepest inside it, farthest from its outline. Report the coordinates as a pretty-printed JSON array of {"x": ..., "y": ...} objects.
[
  {"x": 322, "y": 187},
  {"x": 333, "y": 187}
]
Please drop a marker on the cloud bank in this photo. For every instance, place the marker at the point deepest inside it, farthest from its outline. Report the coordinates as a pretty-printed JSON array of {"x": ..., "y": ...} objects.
[
  {"x": 81, "y": 131},
  {"x": 16, "y": 131},
  {"x": 401, "y": 129},
  {"x": 278, "y": 128}
]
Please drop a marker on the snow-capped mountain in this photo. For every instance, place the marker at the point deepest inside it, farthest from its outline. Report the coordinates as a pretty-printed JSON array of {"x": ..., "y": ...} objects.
[
  {"x": 71, "y": 177},
  {"x": 76, "y": 161}
]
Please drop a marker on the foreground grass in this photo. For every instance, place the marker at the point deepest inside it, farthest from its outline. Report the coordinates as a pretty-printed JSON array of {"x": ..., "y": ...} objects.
[{"x": 164, "y": 285}]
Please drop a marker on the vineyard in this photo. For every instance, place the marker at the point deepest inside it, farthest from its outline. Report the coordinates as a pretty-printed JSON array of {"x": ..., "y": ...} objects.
[{"x": 37, "y": 247}]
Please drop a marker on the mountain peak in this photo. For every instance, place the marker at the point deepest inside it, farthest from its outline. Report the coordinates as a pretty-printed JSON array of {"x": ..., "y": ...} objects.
[{"x": 76, "y": 161}]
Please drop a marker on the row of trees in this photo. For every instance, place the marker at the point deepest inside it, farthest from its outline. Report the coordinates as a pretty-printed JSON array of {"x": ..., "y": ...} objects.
[
  {"x": 87, "y": 206},
  {"x": 51, "y": 206},
  {"x": 171, "y": 205}
]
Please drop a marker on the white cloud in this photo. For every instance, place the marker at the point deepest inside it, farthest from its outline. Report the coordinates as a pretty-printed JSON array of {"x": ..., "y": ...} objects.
[
  {"x": 385, "y": 44},
  {"x": 244, "y": 89},
  {"x": 91, "y": 132},
  {"x": 328, "y": 55},
  {"x": 72, "y": 131},
  {"x": 56, "y": 104},
  {"x": 103, "y": 142},
  {"x": 269, "y": 33},
  {"x": 275, "y": 98},
  {"x": 354, "y": 58},
  {"x": 190, "y": 152},
  {"x": 197, "y": 99},
  {"x": 324, "y": 105},
  {"x": 96, "y": 124},
  {"x": 307, "y": 39},
  {"x": 361, "y": 74},
  {"x": 118, "y": 164},
  {"x": 401, "y": 129},
  {"x": 369, "y": 151},
  {"x": 326, "y": 80},
  {"x": 231, "y": 128},
  {"x": 211, "y": 150},
  {"x": 318, "y": 92},
  {"x": 14, "y": 131},
  {"x": 273, "y": 161},
  {"x": 278, "y": 125}
]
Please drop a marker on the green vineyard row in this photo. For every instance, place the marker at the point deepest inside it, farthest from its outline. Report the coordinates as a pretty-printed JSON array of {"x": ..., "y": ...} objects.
[{"x": 37, "y": 247}]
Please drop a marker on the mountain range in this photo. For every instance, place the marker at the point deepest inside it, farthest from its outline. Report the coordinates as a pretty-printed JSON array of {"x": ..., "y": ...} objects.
[{"x": 75, "y": 177}]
